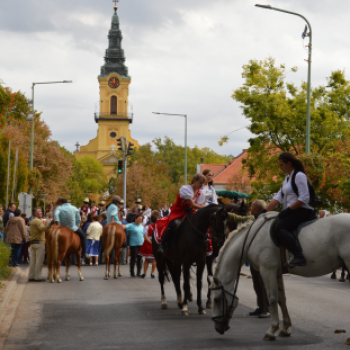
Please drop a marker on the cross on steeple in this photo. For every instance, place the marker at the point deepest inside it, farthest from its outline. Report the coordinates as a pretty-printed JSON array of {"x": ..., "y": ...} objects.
[{"x": 115, "y": 5}]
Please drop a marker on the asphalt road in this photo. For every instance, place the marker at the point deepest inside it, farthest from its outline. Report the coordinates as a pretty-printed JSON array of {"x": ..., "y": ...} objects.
[{"x": 126, "y": 314}]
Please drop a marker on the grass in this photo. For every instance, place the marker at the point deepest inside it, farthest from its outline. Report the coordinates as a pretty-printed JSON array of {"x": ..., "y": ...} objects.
[{"x": 5, "y": 253}]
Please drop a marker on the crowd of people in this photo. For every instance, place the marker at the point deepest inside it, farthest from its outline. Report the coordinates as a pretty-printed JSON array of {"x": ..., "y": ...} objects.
[{"x": 26, "y": 236}]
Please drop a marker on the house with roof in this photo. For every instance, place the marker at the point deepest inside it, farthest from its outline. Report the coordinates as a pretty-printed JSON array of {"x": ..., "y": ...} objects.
[{"x": 231, "y": 176}]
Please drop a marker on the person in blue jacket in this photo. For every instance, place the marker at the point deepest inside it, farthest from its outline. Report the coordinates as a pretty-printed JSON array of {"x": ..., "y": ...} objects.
[{"x": 135, "y": 232}]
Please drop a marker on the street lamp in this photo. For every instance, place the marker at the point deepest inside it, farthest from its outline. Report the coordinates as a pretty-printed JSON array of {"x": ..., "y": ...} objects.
[
  {"x": 185, "y": 116},
  {"x": 268, "y": 7},
  {"x": 30, "y": 117}
]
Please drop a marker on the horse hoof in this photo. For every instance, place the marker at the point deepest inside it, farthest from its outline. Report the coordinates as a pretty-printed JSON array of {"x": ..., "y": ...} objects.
[
  {"x": 284, "y": 333},
  {"x": 209, "y": 305},
  {"x": 120, "y": 274},
  {"x": 190, "y": 298},
  {"x": 269, "y": 337},
  {"x": 59, "y": 281},
  {"x": 106, "y": 278},
  {"x": 184, "y": 313},
  {"x": 67, "y": 278},
  {"x": 164, "y": 306},
  {"x": 179, "y": 306},
  {"x": 52, "y": 281},
  {"x": 81, "y": 278},
  {"x": 202, "y": 312},
  {"x": 342, "y": 280},
  {"x": 115, "y": 277}
]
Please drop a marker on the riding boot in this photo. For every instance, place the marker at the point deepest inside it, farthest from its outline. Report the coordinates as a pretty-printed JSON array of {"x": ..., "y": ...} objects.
[{"x": 291, "y": 243}]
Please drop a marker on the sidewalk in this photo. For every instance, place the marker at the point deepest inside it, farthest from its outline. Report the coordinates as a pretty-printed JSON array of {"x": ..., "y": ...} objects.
[{"x": 10, "y": 296}]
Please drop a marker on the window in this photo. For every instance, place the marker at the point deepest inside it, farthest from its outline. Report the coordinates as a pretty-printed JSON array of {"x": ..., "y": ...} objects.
[
  {"x": 114, "y": 105},
  {"x": 113, "y": 135}
]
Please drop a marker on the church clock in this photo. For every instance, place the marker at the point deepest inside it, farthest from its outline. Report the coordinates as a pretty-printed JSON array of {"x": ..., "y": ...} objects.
[{"x": 113, "y": 83}]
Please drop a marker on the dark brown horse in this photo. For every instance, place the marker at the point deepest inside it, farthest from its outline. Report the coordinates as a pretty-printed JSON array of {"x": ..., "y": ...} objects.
[
  {"x": 61, "y": 243},
  {"x": 113, "y": 237},
  {"x": 219, "y": 240},
  {"x": 188, "y": 245}
]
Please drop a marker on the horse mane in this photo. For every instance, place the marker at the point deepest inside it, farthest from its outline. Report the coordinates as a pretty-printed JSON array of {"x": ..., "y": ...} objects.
[
  {"x": 230, "y": 237},
  {"x": 210, "y": 206}
]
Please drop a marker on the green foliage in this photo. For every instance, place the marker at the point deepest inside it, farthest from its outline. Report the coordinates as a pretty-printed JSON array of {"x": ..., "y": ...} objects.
[
  {"x": 173, "y": 156},
  {"x": 277, "y": 112},
  {"x": 87, "y": 177},
  {"x": 5, "y": 253}
]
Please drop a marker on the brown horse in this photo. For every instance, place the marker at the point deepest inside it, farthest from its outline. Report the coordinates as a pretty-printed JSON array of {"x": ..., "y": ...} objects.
[
  {"x": 113, "y": 237},
  {"x": 61, "y": 243}
]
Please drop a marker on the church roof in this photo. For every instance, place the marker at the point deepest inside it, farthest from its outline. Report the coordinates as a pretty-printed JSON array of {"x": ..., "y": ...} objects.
[{"x": 114, "y": 57}]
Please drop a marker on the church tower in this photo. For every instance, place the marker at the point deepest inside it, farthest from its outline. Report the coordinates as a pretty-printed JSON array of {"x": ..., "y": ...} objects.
[{"x": 114, "y": 118}]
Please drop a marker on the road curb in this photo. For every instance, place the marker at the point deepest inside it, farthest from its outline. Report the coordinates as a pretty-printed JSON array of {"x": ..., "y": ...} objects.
[{"x": 10, "y": 303}]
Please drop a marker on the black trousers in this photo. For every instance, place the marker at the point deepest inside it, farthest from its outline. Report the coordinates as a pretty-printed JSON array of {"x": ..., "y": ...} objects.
[
  {"x": 294, "y": 219},
  {"x": 258, "y": 284},
  {"x": 82, "y": 237},
  {"x": 134, "y": 250}
]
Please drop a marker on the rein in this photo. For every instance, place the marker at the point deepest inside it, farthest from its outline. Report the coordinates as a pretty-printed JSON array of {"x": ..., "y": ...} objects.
[{"x": 221, "y": 286}]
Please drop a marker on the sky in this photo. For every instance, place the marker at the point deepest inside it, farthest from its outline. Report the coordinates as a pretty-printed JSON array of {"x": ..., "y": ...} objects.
[{"x": 184, "y": 56}]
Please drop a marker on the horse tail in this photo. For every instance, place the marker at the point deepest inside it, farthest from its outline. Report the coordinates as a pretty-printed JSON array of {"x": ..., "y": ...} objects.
[
  {"x": 110, "y": 240},
  {"x": 55, "y": 245}
]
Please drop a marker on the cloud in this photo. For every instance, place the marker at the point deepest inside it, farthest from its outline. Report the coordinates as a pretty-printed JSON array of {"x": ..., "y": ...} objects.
[{"x": 184, "y": 56}]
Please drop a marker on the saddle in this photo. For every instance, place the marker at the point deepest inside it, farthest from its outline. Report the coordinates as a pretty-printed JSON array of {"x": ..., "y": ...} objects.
[{"x": 283, "y": 251}]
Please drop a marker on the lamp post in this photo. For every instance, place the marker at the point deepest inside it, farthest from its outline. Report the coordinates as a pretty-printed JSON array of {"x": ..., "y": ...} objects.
[
  {"x": 185, "y": 116},
  {"x": 268, "y": 7},
  {"x": 30, "y": 117}
]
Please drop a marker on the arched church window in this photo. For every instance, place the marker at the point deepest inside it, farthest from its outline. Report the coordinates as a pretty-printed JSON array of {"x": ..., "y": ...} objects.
[{"x": 114, "y": 105}]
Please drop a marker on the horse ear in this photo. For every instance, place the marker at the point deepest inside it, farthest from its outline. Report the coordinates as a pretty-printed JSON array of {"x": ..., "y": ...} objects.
[{"x": 242, "y": 204}]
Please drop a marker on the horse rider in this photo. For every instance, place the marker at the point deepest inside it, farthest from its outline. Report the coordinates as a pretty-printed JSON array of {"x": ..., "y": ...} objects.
[
  {"x": 189, "y": 196},
  {"x": 296, "y": 207},
  {"x": 69, "y": 216},
  {"x": 113, "y": 210}
]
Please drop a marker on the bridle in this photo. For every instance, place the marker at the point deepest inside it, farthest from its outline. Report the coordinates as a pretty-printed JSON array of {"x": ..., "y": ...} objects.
[
  {"x": 226, "y": 316},
  {"x": 215, "y": 225}
]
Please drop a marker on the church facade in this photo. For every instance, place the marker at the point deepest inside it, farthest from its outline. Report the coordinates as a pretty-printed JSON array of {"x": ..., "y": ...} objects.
[{"x": 113, "y": 119}]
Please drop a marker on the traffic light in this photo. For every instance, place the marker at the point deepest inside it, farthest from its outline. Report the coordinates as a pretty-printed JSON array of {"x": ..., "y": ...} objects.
[
  {"x": 130, "y": 149},
  {"x": 120, "y": 166},
  {"x": 120, "y": 144}
]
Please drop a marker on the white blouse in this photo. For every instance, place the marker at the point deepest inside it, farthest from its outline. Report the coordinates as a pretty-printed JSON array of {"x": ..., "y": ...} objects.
[
  {"x": 290, "y": 196},
  {"x": 186, "y": 192},
  {"x": 210, "y": 195}
]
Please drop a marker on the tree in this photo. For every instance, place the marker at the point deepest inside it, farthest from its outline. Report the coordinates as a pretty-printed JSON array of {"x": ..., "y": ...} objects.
[
  {"x": 173, "y": 156},
  {"x": 277, "y": 112}
]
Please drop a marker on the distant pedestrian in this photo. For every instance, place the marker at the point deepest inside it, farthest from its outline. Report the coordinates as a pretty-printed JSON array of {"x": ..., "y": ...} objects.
[
  {"x": 85, "y": 208},
  {"x": 2, "y": 227},
  {"x": 94, "y": 233},
  {"x": 37, "y": 246},
  {"x": 16, "y": 232},
  {"x": 165, "y": 211},
  {"x": 135, "y": 235},
  {"x": 10, "y": 212},
  {"x": 103, "y": 222},
  {"x": 146, "y": 249},
  {"x": 94, "y": 208}
]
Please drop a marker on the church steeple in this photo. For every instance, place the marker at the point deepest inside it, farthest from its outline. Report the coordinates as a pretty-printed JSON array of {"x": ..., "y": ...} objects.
[{"x": 114, "y": 58}]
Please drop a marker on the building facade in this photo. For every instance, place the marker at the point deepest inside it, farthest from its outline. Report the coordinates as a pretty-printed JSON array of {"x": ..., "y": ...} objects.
[{"x": 114, "y": 118}]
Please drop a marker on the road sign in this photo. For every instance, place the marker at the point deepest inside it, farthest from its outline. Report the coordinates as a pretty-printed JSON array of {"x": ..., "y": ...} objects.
[{"x": 25, "y": 203}]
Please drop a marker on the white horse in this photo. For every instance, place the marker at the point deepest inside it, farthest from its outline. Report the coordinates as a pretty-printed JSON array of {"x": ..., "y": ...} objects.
[{"x": 325, "y": 244}]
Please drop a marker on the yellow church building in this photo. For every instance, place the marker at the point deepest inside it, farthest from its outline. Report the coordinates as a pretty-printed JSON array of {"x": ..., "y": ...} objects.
[{"x": 114, "y": 118}]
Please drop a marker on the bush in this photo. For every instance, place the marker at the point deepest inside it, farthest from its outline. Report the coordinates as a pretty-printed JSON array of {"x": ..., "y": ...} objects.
[{"x": 5, "y": 253}]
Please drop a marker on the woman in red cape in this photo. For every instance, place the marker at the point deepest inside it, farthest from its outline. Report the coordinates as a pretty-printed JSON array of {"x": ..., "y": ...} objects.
[
  {"x": 189, "y": 196},
  {"x": 146, "y": 249}
]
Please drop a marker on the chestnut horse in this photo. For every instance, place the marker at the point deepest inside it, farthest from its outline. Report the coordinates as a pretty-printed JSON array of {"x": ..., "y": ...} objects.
[
  {"x": 61, "y": 243},
  {"x": 113, "y": 237}
]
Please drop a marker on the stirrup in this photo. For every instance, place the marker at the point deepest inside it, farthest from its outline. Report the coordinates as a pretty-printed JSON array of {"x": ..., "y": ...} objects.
[{"x": 292, "y": 264}]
